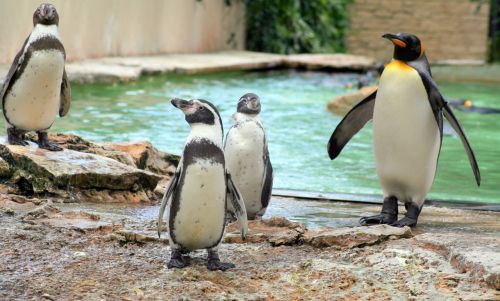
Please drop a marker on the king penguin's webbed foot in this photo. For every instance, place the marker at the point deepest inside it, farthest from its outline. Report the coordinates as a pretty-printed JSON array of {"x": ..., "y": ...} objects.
[
  {"x": 411, "y": 216},
  {"x": 16, "y": 137},
  {"x": 405, "y": 221},
  {"x": 388, "y": 215},
  {"x": 214, "y": 263},
  {"x": 177, "y": 261},
  {"x": 43, "y": 142}
]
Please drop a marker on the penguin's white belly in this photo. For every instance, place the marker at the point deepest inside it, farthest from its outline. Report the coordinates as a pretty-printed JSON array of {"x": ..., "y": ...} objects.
[
  {"x": 199, "y": 222},
  {"x": 244, "y": 158},
  {"x": 406, "y": 134},
  {"x": 34, "y": 100}
]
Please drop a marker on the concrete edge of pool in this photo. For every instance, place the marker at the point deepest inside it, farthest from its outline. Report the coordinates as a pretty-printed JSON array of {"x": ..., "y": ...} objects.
[{"x": 377, "y": 199}]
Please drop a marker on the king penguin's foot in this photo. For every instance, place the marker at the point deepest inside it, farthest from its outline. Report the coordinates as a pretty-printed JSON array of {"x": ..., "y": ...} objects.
[
  {"x": 16, "y": 137},
  {"x": 214, "y": 263},
  {"x": 177, "y": 261},
  {"x": 405, "y": 221},
  {"x": 411, "y": 216},
  {"x": 388, "y": 215},
  {"x": 43, "y": 142}
]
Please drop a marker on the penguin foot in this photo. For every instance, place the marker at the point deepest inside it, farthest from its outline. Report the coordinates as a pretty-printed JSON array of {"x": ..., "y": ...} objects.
[
  {"x": 17, "y": 141},
  {"x": 377, "y": 219},
  {"x": 405, "y": 221},
  {"x": 214, "y": 264},
  {"x": 43, "y": 142},
  {"x": 16, "y": 137},
  {"x": 177, "y": 260},
  {"x": 50, "y": 146},
  {"x": 177, "y": 263}
]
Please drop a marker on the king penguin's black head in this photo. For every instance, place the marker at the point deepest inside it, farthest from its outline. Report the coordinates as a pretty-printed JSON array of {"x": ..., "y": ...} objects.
[
  {"x": 407, "y": 47},
  {"x": 249, "y": 104},
  {"x": 45, "y": 14},
  {"x": 198, "y": 111}
]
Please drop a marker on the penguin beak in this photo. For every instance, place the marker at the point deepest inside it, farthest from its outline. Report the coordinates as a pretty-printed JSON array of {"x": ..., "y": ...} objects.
[
  {"x": 183, "y": 105},
  {"x": 395, "y": 40}
]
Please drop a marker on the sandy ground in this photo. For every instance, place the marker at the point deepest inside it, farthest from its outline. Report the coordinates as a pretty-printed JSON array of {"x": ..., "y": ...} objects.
[{"x": 49, "y": 251}]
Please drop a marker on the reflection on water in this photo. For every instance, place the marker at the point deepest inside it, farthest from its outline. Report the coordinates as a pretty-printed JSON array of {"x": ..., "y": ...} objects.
[{"x": 297, "y": 124}]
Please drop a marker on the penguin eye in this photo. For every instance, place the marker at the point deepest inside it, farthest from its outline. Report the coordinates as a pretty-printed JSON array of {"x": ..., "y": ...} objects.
[{"x": 201, "y": 108}]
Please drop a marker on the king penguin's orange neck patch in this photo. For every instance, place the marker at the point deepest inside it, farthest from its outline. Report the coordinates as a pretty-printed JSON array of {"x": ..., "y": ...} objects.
[{"x": 399, "y": 66}]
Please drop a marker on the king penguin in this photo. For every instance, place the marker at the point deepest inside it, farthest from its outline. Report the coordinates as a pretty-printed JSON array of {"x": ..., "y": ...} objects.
[
  {"x": 36, "y": 88},
  {"x": 407, "y": 111},
  {"x": 196, "y": 197},
  {"x": 248, "y": 157}
]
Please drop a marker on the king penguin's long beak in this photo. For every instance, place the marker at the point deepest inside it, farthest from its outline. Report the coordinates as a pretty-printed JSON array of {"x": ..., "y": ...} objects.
[{"x": 394, "y": 39}]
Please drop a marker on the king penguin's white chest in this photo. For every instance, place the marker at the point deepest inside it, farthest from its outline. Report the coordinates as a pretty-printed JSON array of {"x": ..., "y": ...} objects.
[
  {"x": 33, "y": 101},
  {"x": 244, "y": 158},
  {"x": 406, "y": 134}
]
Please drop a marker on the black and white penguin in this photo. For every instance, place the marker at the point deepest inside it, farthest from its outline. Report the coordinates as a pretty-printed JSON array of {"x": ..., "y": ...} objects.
[
  {"x": 247, "y": 156},
  {"x": 36, "y": 88},
  {"x": 407, "y": 111},
  {"x": 196, "y": 199}
]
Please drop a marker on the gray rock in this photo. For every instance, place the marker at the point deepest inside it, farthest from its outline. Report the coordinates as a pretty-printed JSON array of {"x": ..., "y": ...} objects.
[
  {"x": 49, "y": 171},
  {"x": 478, "y": 256},
  {"x": 354, "y": 237}
]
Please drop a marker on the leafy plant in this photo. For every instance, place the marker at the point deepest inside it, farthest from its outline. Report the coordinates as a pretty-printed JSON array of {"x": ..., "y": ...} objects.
[{"x": 296, "y": 26}]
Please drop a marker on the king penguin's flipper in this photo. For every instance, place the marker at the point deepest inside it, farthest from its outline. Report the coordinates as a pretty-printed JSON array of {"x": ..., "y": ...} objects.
[
  {"x": 438, "y": 105},
  {"x": 234, "y": 196},
  {"x": 354, "y": 121},
  {"x": 65, "y": 95},
  {"x": 448, "y": 113},
  {"x": 168, "y": 195}
]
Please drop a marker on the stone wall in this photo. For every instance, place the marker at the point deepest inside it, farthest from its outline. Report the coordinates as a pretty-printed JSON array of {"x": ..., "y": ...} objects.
[
  {"x": 97, "y": 28},
  {"x": 451, "y": 30}
]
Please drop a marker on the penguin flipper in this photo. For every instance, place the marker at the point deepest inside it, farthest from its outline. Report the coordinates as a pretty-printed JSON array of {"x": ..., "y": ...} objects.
[
  {"x": 438, "y": 105},
  {"x": 65, "y": 95},
  {"x": 168, "y": 196},
  {"x": 18, "y": 60},
  {"x": 268, "y": 181},
  {"x": 234, "y": 196},
  {"x": 352, "y": 123},
  {"x": 448, "y": 114}
]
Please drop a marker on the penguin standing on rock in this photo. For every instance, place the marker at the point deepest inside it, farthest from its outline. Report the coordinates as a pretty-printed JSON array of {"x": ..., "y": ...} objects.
[
  {"x": 407, "y": 111},
  {"x": 248, "y": 157},
  {"x": 36, "y": 88},
  {"x": 196, "y": 198}
]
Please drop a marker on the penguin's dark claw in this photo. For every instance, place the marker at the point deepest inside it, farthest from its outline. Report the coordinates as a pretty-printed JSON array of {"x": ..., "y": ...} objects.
[
  {"x": 177, "y": 260},
  {"x": 177, "y": 263},
  {"x": 377, "y": 219},
  {"x": 214, "y": 264},
  {"x": 405, "y": 221},
  {"x": 43, "y": 142},
  {"x": 50, "y": 146},
  {"x": 17, "y": 142}
]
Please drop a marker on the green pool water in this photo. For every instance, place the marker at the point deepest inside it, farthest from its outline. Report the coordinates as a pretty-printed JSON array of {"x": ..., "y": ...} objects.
[{"x": 297, "y": 124}]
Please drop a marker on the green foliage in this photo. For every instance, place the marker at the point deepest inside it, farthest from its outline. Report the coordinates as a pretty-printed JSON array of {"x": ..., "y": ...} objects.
[{"x": 296, "y": 26}]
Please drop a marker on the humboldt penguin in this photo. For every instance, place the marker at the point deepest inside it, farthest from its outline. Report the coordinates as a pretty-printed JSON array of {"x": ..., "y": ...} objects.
[
  {"x": 407, "y": 111},
  {"x": 36, "y": 88},
  {"x": 247, "y": 156},
  {"x": 196, "y": 198}
]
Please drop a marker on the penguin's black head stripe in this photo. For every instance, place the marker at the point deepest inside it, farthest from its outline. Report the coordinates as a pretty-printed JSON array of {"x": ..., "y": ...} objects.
[
  {"x": 198, "y": 111},
  {"x": 249, "y": 104},
  {"x": 407, "y": 47},
  {"x": 46, "y": 14}
]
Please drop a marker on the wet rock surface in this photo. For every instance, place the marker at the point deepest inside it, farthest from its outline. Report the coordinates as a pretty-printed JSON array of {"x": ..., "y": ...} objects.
[
  {"x": 342, "y": 104},
  {"x": 53, "y": 250}
]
